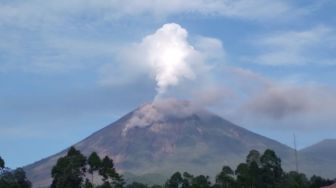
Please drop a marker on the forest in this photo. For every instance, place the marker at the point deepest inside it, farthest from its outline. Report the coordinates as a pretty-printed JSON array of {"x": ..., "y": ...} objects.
[{"x": 78, "y": 171}]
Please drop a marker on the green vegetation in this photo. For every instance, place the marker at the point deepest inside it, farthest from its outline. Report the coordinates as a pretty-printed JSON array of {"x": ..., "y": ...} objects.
[
  {"x": 13, "y": 178},
  {"x": 76, "y": 171},
  {"x": 71, "y": 171},
  {"x": 258, "y": 171}
]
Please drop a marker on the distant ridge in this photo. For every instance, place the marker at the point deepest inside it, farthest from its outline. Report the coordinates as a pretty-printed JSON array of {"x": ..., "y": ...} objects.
[{"x": 320, "y": 158}]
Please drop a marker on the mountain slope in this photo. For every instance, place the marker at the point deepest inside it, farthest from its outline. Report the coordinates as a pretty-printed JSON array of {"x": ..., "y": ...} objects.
[
  {"x": 160, "y": 138},
  {"x": 319, "y": 159},
  {"x": 324, "y": 149}
]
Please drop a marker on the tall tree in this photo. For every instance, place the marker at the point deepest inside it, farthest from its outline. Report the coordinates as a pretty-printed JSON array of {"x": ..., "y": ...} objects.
[
  {"x": 109, "y": 174},
  {"x": 295, "y": 180},
  {"x": 69, "y": 171},
  {"x": 254, "y": 175},
  {"x": 187, "y": 180},
  {"x": 118, "y": 181},
  {"x": 271, "y": 169},
  {"x": 94, "y": 163},
  {"x": 317, "y": 182},
  {"x": 21, "y": 179},
  {"x": 242, "y": 174},
  {"x": 13, "y": 179},
  {"x": 107, "y": 169},
  {"x": 253, "y": 156},
  {"x": 201, "y": 181},
  {"x": 2, "y": 163},
  {"x": 225, "y": 178},
  {"x": 175, "y": 181}
]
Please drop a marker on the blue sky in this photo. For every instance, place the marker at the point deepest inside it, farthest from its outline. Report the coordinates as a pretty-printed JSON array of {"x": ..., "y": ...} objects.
[{"x": 69, "y": 68}]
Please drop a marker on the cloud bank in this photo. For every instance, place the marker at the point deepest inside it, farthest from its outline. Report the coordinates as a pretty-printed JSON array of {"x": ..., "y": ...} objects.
[
  {"x": 37, "y": 12},
  {"x": 298, "y": 47}
]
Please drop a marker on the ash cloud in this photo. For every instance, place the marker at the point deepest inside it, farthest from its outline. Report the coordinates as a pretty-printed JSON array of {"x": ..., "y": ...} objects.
[
  {"x": 278, "y": 102},
  {"x": 286, "y": 102}
]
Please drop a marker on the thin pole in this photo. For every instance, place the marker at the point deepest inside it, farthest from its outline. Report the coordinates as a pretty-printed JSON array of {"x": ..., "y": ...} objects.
[{"x": 296, "y": 155}]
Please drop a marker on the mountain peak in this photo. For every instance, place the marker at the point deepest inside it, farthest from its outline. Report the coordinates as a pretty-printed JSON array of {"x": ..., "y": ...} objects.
[
  {"x": 166, "y": 136},
  {"x": 157, "y": 112},
  {"x": 328, "y": 141},
  {"x": 325, "y": 145}
]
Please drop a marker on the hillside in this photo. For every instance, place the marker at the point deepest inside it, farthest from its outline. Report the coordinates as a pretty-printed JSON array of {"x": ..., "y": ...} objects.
[
  {"x": 319, "y": 158},
  {"x": 160, "y": 138}
]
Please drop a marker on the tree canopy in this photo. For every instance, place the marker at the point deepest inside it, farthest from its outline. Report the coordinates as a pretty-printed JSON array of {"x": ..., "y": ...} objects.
[
  {"x": 71, "y": 171},
  {"x": 74, "y": 170},
  {"x": 13, "y": 178}
]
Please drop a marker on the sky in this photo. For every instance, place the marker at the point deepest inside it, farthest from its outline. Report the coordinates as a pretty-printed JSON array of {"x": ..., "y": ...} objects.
[{"x": 71, "y": 67}]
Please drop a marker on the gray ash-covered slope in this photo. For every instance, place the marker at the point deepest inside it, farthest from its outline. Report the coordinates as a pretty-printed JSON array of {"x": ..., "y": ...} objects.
[
  {"x": 160, "y": 138},
  {"x": 319, "y": 159}
]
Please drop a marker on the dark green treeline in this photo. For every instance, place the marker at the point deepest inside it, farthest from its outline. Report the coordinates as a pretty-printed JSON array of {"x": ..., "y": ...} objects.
[{"x": 77, "y": 171}]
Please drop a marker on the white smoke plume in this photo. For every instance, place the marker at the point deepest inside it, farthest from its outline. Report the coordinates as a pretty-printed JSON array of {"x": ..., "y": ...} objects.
[
  {"x": 168, "y": 54},
  {"x": 170, "y": 57}
]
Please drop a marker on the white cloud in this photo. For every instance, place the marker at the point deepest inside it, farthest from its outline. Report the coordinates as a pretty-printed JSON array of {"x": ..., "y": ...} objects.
[
  {"x": 212, "y": 48},
  {"x": 297, "y": 47},
  {"x": 34, "y": 25},
  {"x": 54, "y": 12}
]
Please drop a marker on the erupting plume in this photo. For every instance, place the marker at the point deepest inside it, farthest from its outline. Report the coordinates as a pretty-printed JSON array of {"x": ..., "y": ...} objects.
[{"x": 169, "y": 55}]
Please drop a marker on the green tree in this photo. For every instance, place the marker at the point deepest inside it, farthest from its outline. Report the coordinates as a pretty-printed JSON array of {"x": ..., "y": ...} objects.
[
  {"x": 7, "y": 180},
  {"x": 253, "y": 156},
  {"x": 201, "y": 181},
  {"x": 187, "y": 180},
  {"x": 242, "y": 174},
  {"x": 225, "y": 179},
  {"x": 254, "y": 175},
  {"x": 271, "y": 170},
  {"x": 94, "y": 163},
  {"x": 13, "y": 179},
  {"x": 69, "y": 171},
  {"x": 175, "y": 181},
  {"x": 109, "y": 174},
  {"x": 107, "y": 169},
  {"x": 253, "y": 162},
  {"x": 295, "y": 180},
  {"x": 118, "y": 181},
  {"x": 21, "y": 179},
  {"x": 2, "y": 163},
  {"x": 317, "y": 182}
]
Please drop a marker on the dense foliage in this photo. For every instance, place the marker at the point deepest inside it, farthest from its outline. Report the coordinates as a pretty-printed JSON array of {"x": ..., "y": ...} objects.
[
  {"x": 77, "y": 171},
  {"x": 13, "y": 178},
  {"x": 257, "y": 171},
  {"x": 72, "y": 171}
]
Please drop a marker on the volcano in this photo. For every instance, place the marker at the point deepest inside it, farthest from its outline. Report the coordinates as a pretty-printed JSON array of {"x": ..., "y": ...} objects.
[{"x": 157, "y": 139}]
